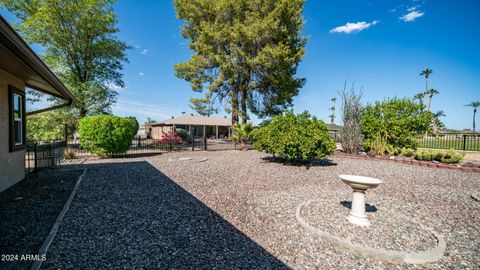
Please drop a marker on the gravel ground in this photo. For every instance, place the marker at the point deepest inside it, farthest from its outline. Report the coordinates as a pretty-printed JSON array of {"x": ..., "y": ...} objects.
[
  {"x": 28, "y": 211},
  {"x": 237, "y": 209}
]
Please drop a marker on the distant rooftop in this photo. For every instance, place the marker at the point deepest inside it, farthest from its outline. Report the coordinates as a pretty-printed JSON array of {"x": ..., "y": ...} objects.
[{"x": 197, "y": 120}]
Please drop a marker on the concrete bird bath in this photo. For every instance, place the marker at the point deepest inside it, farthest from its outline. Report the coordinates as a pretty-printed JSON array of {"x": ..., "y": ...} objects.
[{"x": 359, "y": 184}]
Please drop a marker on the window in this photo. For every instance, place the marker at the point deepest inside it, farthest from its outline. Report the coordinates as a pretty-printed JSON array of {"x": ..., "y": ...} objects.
[{"x": 17, "y": 119}]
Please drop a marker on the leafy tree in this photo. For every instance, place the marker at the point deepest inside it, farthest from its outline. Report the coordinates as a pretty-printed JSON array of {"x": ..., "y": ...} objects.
[
  {"x": 295, "y": 137},
  {"x": 474, "y": 105},
  {"x": 400, "y": 120},
  {"x": 81, "y": 46},
  {"x": 50, "y": 126},
  {"x": 246, "y": 52},
  {"x": 203, "y": 106},
  {"x": 431, "y": 93},
  {"x": 351, "y": 133},
  {"x": 107, "y": 135}
]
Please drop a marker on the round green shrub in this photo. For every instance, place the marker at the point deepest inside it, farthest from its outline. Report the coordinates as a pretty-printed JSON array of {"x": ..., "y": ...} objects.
[
  {"x": 107, "y": 135},
  {"x": 295, "y": 137}
]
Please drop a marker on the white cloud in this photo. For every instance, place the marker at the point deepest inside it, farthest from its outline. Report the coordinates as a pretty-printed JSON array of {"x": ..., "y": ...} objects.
[
  {"x": 410, "y": 9},
  {"x": 113, "y": 86},
  {"x": 141, "y": 74},
  {"x": 412, "y": 16},
  {"x": 143, "y": 110},
  {"x": 392, "y": 10},
  {"x": 353, "y": 27},
  {"x": 144, "y": 51}
]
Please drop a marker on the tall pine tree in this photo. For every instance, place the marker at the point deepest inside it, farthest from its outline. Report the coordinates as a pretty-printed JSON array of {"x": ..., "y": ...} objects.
[{"x": 245, "y": 51}]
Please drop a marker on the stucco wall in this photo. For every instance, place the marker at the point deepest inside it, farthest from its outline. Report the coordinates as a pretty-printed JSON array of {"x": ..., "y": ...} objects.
[{"x": 12, "y": 164}]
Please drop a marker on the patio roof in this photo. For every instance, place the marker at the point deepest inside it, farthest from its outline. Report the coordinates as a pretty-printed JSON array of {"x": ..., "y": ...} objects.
[
  {"x": 21, "y": 61},
  {"x": 196, "y": 120}
]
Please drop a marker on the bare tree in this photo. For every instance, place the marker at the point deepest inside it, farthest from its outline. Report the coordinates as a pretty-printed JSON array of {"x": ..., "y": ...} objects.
[{"x": 351, "y": 133}]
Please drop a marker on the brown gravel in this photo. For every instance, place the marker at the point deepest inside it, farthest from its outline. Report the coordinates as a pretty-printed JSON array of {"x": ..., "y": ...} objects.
[{"x": 259, "y": 198}]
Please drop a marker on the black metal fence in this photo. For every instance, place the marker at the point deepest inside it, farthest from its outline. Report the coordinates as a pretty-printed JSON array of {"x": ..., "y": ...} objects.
[
  {"x": 42, "y": 155},
  {"x": 466, "y": 142}
]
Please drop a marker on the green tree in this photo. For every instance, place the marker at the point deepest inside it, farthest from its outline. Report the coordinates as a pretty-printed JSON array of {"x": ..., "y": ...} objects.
[
  {"x": 430, "y": 94},
  {"x": 203, "y": 106},
  {"x": 426, "y": 73},
  {"x": 81, "y": 46},
  {"x": 474, "y": 105},
  {"x": 50, "y": 126},
  {"x": 246, "y": 52},
  {"x": 399, "y": 120}
]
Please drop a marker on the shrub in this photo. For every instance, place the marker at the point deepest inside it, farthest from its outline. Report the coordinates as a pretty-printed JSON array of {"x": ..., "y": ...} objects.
[
  {"x": 401, "y": 120},
  {"x": 449, "y": 156},
  {"x": 107, "y": 135},
  {"x": 169, "y": 138},
  {"x": 182, "y": 133},
  {"x": 351, "y": 132},
  {"x": 408, "y": 152},
  {"x": 295, "y": 137},
  {"x": 379, "y": 145}
]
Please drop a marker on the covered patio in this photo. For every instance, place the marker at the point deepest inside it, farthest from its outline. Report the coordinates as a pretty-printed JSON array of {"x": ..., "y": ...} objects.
[{"x": 196, "y": 125}]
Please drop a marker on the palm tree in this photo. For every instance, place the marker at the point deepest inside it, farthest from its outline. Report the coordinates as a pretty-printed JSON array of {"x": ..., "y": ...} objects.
[
  {"x": 431, "y": 93},
  {"x": 435, "y": 120},
  {"x": 427, "y": 72},
  {"x": 420, "y": 97},
  {"x": 242, "y": 133},
  {"x": 475, "y": 105}
]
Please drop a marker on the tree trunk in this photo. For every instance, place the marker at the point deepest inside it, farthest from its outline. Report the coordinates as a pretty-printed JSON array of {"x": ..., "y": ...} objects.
[
  {"x": 430, "y": 102},
  {"x": 83, "y": 112},
  {"x": 244, "y": 106},
  {"x": 474, "y": 113},
  {"x": 234, "y": 106}
]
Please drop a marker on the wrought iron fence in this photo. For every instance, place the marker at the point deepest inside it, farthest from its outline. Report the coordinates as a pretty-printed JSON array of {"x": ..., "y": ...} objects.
[
  {"x": 466, "y": 142},
  {"x": 42, "y": 155}
]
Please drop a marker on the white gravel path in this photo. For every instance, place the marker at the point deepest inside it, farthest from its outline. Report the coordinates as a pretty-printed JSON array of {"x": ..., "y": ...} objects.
[{"x": 259, "y": 199}]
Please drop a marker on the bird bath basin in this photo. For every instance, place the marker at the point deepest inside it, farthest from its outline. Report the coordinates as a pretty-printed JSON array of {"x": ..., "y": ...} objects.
[{"x": 359, "y": 184}]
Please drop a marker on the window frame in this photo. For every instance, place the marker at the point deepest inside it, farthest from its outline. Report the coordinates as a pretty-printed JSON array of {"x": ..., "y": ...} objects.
[{"x": 12, "y": 91}]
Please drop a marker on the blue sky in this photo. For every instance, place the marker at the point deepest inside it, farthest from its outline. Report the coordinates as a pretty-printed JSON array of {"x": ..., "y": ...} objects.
[{"x": 380, "y": 45}]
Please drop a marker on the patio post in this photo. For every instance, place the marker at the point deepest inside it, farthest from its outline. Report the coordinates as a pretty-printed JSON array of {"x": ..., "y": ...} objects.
[
  {"x": 216, "y": 132},
  {"x": 204, "y": 135}
]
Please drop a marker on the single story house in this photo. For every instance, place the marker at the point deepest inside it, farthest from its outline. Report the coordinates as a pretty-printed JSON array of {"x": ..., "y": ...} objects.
[
  {"x": 20, "y": 67},
  {"x": 200, "y": 126}
]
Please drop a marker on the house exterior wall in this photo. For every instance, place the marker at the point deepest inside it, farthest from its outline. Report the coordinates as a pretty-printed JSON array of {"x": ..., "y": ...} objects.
[{"x": 12, "y": 164}]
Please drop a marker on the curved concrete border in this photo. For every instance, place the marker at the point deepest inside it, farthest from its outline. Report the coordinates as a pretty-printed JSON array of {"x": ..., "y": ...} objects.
[{"x": 389, "y": 256}]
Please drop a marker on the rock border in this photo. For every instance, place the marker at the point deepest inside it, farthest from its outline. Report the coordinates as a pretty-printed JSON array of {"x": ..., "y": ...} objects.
[
  {"x": 389, "y": 256},
  {"x": 53, "y": 231},
  {"x": 410, "y": 161}
]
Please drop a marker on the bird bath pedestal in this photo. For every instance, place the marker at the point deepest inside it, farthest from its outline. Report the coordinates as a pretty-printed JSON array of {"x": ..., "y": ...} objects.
[{"x": 359, "y": 184}]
